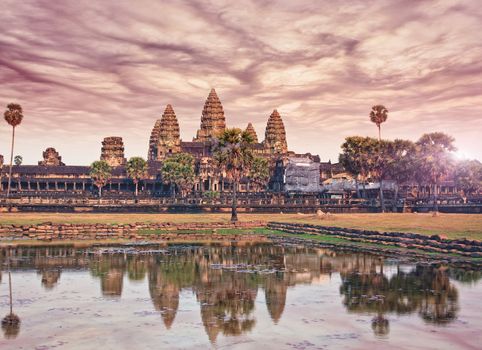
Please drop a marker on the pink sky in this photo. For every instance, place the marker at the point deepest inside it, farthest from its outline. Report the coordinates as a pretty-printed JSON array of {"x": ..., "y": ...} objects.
[{"x": 83, "y": 70}]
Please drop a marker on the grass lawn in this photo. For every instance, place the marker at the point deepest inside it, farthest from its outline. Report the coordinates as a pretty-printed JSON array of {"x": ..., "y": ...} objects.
[{"x": 449, "y": 225}]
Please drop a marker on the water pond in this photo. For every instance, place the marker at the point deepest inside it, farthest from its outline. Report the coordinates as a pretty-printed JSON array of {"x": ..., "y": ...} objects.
[{"x": 265, "y": 296}]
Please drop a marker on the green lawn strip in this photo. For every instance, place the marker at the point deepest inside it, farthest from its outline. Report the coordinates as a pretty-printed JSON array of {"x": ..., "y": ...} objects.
[
  {"x": 344, "y": 242},
  {"x": 161, "y": 231}
]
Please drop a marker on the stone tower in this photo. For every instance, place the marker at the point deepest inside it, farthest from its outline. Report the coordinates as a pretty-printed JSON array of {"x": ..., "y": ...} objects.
[
  {"x": 113, "y": 151},
  {"x": 275, "y": 135},
  {"x": 169, "y": 136},
  {"x": 51, "y": 158},
  {"x": 252, "y": 132},
  {"x": 213, "y": 121},
  {"x": 154, "y": 141}
]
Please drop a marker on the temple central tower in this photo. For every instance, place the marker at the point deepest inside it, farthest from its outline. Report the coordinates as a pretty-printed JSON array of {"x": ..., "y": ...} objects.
[{"x": 213, "y": 121}]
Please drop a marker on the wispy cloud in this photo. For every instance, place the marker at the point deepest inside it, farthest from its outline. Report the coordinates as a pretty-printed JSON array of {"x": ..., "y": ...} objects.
[{"x": 86, "y": 70}]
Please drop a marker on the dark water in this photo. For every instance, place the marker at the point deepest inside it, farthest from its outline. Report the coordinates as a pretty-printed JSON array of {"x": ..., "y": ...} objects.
[{"x": 251, "y": 297}]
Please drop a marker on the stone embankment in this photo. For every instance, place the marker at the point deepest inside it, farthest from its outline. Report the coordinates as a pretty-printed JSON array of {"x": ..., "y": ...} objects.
[
  {"x": 161, "y": 231},
  {"x": 434, "y": 243}
]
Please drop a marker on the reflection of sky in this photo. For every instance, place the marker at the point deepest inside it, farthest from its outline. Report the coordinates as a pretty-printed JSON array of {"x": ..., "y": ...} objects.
[
  {"x": 84, "y": 70},
  {"x": 75, "y": 314}
]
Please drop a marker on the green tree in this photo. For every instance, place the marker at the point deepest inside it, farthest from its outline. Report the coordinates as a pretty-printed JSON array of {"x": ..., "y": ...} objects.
[
  {"x": 178, "y": 170},
  {"x": 381, "y": 162},
  {"x": 13, "y": 116},
  {"x": 402, "y": 167},
  {"x": 233, "y": 154},
  {"x": 137, "y": 170},
  {"x": 259, "y": 172},
  {"x": 434, "y": 161},
  {"x": 468, "y": 176},
  {"x": 101, "y": 173},
  {"x": 18, "y": 160},
  {"x": 379, "y": 115},
  {"x": 356, "y": 157}
]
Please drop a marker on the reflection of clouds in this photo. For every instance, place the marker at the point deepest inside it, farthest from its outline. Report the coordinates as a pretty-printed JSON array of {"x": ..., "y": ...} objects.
[{"x": 420, "y": 59}]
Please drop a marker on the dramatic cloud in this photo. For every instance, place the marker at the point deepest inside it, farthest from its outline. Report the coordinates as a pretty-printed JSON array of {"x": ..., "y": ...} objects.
[{"x": 84, "y": 70}]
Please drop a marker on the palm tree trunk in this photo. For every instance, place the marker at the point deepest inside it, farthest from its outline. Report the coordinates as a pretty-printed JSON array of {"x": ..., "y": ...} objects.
[
  {"x": 234, "y": 206},
  {"x": 382, "y": 201},
  {"x": 379, "y": 133},
  {"x": 11, "y": 162},
  {"x": 137, "y": 188}
]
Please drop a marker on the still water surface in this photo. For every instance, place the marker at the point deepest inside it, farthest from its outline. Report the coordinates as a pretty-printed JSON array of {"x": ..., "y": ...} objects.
[{"x": 249, "y": 297}]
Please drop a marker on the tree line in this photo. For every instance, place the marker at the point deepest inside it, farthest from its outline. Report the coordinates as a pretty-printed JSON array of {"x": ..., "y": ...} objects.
[{"x": 428, "y": 161}]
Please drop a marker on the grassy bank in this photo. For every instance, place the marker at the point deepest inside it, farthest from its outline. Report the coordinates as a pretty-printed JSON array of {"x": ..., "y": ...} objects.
[{"x": 447, "y": 225}]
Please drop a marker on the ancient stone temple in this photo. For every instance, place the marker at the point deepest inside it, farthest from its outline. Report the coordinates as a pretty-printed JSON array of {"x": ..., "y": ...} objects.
[
  {"x": 213, "y": 121},
  {"x": 252, "y": 132},
  {"x": 51, "y": 158},
  {"x": 154, "y": 140},
  {"x": 169, "y": 138},
  {"x": 275, "y": 135},
  {"x": 113, "y": 151}
]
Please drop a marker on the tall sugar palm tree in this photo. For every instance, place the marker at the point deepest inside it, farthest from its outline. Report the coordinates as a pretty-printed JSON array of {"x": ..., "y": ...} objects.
[
  {"x": 100, "y": 172},
  {"x": 234, "y": 155},
  {"x": 13, "y": 116},
  {"x": 137, "y": 170},
  {"x": 379, "y": 115}
]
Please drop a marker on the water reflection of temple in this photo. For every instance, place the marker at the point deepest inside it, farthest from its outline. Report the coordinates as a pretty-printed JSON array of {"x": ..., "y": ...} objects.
[{"x": 227, "y": 280}]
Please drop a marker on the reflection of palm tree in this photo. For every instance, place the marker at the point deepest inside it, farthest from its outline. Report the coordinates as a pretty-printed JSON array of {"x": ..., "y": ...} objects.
[{"x": 11, "y": 322}]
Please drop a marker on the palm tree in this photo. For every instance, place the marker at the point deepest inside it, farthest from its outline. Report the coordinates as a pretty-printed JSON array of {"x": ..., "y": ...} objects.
[
  {"x": 379, "y": 115},
  {"x": 178, "y": 170},
  {"x": 13, "y": 115},
  {"x": 100, "y": 172},
  {"x": 234, "y": 155},
  {"x": 18, "y": 160},
  {"x": 137, "y": 170}
]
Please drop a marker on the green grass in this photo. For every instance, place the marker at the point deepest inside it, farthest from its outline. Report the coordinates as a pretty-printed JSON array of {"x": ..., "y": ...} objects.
[{"x": 447, "y": 225}]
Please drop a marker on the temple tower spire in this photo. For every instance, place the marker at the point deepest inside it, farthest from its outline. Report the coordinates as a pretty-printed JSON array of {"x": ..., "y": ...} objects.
[
  {"x": 275, "y": 135},
  {"x": 213, "y": 121},
  {"x": 252, "y": 132},
  {"x": 169, "y": 135}
]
